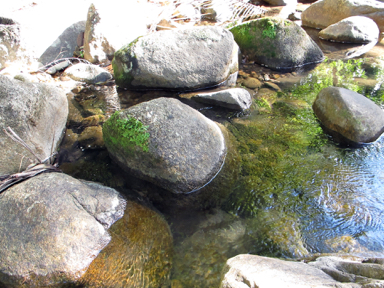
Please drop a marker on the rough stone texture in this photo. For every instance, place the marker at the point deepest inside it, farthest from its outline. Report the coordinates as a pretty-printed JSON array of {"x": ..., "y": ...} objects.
[
  {"x": 327, "y": 12},
  {"x": 106, "y": 30},
  {"x": 236, "y": 98},
  {"x": 276, "y": 43},
  {"x": 139, "y": 254},
  {"x": 37, "y": 113},
  {"x": 90, "y": 74},
  {"x": 255, "y": 271},
  {"x": 349, "y": 114},
  {"x": 252, "y": 83},
  {"x": 185, "y": 59},
  {"x": 281, "y": 2},
  {"x": 355, "y": 29},
  {"x": 64, "y": 45},
  {"x": 52, "y": 228},
  {"x": 9, "y": 40},
  {"x": 186, "y": 149}
]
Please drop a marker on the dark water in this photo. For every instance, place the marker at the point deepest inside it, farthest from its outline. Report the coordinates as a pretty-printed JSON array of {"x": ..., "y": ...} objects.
[{"x": 298, "y": 191}]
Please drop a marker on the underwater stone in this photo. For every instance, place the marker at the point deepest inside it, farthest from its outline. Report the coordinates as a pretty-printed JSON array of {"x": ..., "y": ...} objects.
[{"x": 349, "y": 114}]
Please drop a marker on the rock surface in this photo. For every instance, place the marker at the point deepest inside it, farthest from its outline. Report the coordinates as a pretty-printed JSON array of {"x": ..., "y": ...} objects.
[
  {"x": 236, "y": 98},
  {"x": 52, "y": 228},
  {"x": 349, "y": 114},
  {"x": 262, "y": 272},
  {"x": 9, "y": 40},
  {"x": 139, "y": 254},
  {"x": 265, "y": 41},
  {"x": 185, "y": 149},
  {"x": 355, "y": 29},
  {"x": 185, "y": 59},
  {"x": 323, "y": 13},
  {"x": 37, "y": 113},
  {"x": 90, "y": 74}
]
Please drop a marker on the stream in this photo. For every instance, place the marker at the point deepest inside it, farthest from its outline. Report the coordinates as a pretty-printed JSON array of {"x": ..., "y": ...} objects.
[{"x": 298, "y": 193}]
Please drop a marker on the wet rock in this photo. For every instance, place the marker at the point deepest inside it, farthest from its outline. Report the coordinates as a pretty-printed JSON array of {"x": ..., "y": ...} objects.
[
  {"x": 265, "y": 41},
  {"x": 64, "y": 45},
  {"x": 327, "y": 12},
  {"x": 186, "y": 59},
  {"x": 139, "y": 254},
  {"x": 281, "y": 2},
  {"x": 91, "y": 138},
  {"x": 90, "y": 74},
  {"x": 53, "y": 226},
  {"x": 37, "y": 113},
  {"x": 256, "y": 271},
  {"x": 349, "y": 114},
  {"x": 252, "y": 83},
  {"x": 9, "y": 40},
  {"x": 236, "y": 98},
  {"x": 181, "y": 151},
  {"x": 272, "y": 86},
  {"x": 355, "y": 29}
]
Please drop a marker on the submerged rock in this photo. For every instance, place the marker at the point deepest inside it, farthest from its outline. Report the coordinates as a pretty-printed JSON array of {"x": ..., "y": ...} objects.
[
  {"x": 327, "y": 12},
  {"x": 276, "y": 43},
  {"x": 181, "y": 150},
  {"x": 355, "y": 29},
  {"x": 37, "y": 113},
  {"x": 187, "y": 59},
  {"x": 349, "y": 114},
  {"x": 53, "y": 226},
  {"x": 236, "y": 98},
  {"x": 139, "y": 254},
  {"x": 90, "y": 74}
]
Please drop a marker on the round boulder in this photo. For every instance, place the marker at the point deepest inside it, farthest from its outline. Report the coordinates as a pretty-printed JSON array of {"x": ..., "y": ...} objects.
[
  {"x": 355, "y": 29},
  {"x": 52, "y": 227},
  {"x": 37, "y": 113},
  {"x": 166, "y": 142},
  {"x": 183, "y": 59},
  {"x": 323, "y": 13},
  {"x": 349, "y": 114},
  {"x": 90, "y": 74},
  {"x": 276, "y": 43}
]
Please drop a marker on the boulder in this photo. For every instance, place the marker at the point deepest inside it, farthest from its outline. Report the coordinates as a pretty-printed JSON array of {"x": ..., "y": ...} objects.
[
  {"x": 53, "y": 226},
  {"x": 236, "y": 98},
  {"x": 106, "y": 28},
  {"x": 139, "y": 254},
  {"x": 64, "y": 45},
  {"x": 265, "y": 41},
  {"x": 9, "y": 40},
  {"x": 37, "y": 113},
  {"x": 90, "y": 74},
  {"x": 327, "y": 12},
  {"x": 349, "y": 114},
  {"x": 183, "y": 59},
  {"x": 166, "y": 142},
  {"x": 262, "y": 272},
  {"x": 355, "y": 29}
]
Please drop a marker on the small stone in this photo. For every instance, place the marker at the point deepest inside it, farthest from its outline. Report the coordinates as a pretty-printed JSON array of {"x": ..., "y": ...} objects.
[
  {"x": 272, "y": 86},
  {"x": 252, "y": 83}
]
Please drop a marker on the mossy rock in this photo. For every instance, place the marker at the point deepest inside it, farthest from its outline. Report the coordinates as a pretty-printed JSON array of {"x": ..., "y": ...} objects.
[{"x": 276, "y": 43}]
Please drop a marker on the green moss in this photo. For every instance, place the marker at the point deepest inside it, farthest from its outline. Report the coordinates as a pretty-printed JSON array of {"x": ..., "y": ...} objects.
[
  {"x": 126, "y": 132},
  {"x": 269, "y": 29}
]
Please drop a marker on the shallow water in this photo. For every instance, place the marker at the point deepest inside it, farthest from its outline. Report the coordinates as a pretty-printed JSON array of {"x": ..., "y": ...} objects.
[{"x": 298, "y": 191}]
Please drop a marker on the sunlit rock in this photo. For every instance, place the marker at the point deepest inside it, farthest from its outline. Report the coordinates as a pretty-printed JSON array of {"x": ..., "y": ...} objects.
[
  {"x": 52, "y": 227},
  {"x": 37, "y": 113},
  {"x": 183, "y": 59},
  {"x": 327, "y": 12},
  {"x": 349, "y": 114},
  {"x": 90, "y": 74},
  {"x": 355, "y": 29},
  {"x": 276, "y": 43}
]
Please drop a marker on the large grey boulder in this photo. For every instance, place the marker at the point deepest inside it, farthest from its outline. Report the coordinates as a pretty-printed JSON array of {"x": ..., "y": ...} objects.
[
  {"x": 52, "y": 227},
  {"x": 181, "y": 150},
  {"x": 323, "y": 13},
  {"x": 349, "y": 114},
  {"x": 90, "y": 74},
  {"x": 9, "y": 40},
  {"x": 262, "y": 272},
  {"x": 355, "y": 29},
  {"x": 235, "y": 98},
  {"x": 265, "y": 41},
  {"x": 183, "y": 59},
  {"x": 37, "y": 113}
]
